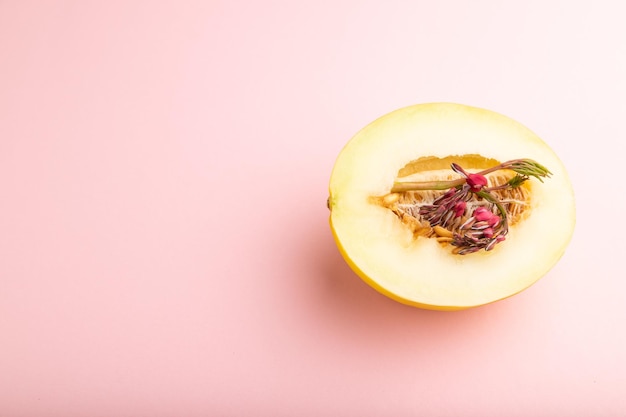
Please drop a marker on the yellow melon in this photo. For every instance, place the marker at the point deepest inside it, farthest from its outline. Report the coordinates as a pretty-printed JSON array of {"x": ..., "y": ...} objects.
[{"x": 399, "y": 211}]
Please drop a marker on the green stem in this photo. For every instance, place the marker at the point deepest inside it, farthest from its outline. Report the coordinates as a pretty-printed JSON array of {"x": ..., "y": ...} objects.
[
  {"x": 524, "y": 167},
  {"x": 399, "y": 187}
]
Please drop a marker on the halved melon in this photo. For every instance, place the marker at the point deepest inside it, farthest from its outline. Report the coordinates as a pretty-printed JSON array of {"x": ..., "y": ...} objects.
[{"x": 378, "y": 228}]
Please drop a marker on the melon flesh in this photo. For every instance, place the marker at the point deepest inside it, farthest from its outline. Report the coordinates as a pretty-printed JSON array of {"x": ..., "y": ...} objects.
[{"x": 421, "y": 272}]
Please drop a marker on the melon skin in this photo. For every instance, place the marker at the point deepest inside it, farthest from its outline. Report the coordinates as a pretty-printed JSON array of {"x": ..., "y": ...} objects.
[{"x": 420, "y": 272}]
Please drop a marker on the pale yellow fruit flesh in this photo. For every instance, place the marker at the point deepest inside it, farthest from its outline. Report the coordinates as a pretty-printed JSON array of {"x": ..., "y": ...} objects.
[{"x": 421, "y": 272}]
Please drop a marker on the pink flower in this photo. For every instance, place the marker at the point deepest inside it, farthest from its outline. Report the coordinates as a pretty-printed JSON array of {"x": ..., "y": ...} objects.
[
  {"x": 482, "y": 214},
  {"x": 494, "y": 220},
  {"x": 459, "y": 208},
  {"x": 476, "y": 182},
  {"x": 488, "y": 233}
]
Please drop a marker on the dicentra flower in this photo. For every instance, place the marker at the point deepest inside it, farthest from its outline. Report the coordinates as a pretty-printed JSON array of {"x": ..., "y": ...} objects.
[
  {"x": 459, "y": 208},
  {"x": 476, "y": 182}
]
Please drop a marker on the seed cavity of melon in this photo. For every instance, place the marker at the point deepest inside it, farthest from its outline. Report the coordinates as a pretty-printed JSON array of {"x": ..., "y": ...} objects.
[{"x": 406, "y": 204}]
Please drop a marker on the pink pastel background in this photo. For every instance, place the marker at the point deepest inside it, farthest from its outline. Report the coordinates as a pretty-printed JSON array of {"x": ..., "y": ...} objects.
[{"x": 164, "y": 239}]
